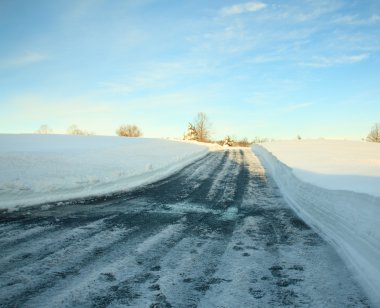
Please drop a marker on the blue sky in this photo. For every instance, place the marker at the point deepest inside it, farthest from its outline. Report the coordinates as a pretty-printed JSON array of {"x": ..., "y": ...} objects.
[{"x": 271, "y": 69}]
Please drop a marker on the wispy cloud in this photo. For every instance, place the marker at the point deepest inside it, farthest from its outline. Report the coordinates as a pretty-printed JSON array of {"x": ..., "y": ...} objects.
[
  {"x": 357, "y": 58},
  {"x": 356, "y": 21},
  {"x": 326, "y": 62},
  {"x": 152, "y": 75},
  {"x": 261, "y": 59},
  {"x": 309, "y": 11},
  {"x": 233, "y": 38},
  {"x": 25, "y": 59},
  {"x": 116, "y": 87},
  {"x": 293, "y": 107},
  {"x": 242, "y": 8},
  {"x": 375, "y": 18},
  {"x": 157, "y": 76}
]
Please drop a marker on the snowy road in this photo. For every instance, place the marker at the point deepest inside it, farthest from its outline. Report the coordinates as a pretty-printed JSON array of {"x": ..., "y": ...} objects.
[{"x": 216, "y": 234}]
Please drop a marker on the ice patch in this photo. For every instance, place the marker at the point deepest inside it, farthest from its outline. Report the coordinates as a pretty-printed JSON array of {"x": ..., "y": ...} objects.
[{"x": 230, "y": 213}]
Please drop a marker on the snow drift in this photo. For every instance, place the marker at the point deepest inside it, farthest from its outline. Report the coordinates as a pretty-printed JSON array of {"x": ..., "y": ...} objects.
[
  {"x": 334, "y": 187},
  {"x": 37, "y": 169}
]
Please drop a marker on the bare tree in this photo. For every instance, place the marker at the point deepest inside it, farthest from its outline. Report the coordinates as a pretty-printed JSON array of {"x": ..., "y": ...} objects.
[
  {"x": 44, "y": 129},
  {"x": 374, "y": 134},
  {"x": 202, "y": 126},
  {"x": 75, "y": 130},
  {"x": 129, "y": 131}
]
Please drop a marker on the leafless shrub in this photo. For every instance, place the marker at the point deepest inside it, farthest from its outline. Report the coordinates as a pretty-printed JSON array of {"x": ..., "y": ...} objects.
[
  {"x": 44, "y": 129},
  {"x": 75, "y": 130},
  {"x": 129, "y": 131},
  {"x": 243, "y": 143},
  {"x": 374, "y": 134},
  {"x": 260, "y": 140}
]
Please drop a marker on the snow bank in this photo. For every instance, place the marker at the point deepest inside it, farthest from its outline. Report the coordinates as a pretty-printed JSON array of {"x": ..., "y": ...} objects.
[
  {"x": 335, "y": 187},
  {"x": 46, "y": 168}
]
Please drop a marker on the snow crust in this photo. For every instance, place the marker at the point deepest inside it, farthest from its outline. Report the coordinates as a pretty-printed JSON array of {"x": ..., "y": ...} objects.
[
  {"x": 334, "y": 186},
  {"x": 332, "y": 164},
  {"x": 37, "y": 169}
]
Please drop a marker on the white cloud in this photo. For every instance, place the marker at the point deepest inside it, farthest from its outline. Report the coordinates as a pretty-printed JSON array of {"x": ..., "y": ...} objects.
[
  {"x": 357, "y": 58},
  {"x": 346, "y": 19},
  {"x": 375, "y": 18},
  {"x": 116, "y": 87},
  {"x": 355, "y": 21},
  {"x": 293, "y": 107},
  {"x": 156, "y": 75},
  {"x": 25, "y": 59},
  {"x": 151, "y": 75},
  {"x": 326, "y": 62},
  {"x": 260, "y": 59},
  {"x": 242, "y": 8}
]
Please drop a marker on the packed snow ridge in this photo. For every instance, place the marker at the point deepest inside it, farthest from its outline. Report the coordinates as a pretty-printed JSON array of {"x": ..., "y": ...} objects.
[
  {"x": 334, "y": 187},
  {"x": 38, "y": 169}
]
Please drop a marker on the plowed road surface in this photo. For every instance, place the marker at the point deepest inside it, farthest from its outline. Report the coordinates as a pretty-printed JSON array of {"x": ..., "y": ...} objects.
[{"x": 216, "y": 234}]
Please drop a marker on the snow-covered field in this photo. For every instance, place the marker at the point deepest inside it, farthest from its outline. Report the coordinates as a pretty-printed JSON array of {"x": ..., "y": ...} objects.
[
  {"x": 46, "y": 168},
  {"x": 335, "y": 187},
  {"x": 332, "y": 185}
]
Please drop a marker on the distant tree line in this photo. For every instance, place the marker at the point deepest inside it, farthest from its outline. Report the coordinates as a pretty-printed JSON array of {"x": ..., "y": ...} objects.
[
  {"x": 123, "y": 130},
  {"x": 231, "y": 141},
  {"x": 200, "y": 130}
]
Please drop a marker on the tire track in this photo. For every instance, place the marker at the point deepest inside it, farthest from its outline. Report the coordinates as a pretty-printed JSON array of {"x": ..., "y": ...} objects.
[
  {"x": 186, "y": 183},
  {"x": 19, "y": 285},
  {"x": 26, "y": 253},
  {"x": 100, "y": 282},
  {"x": 274, "y": 259},
  {"x": 183, "y": 275},
  {"x": 27, "y": 233},
  {"x": 216, "y": 234}
]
